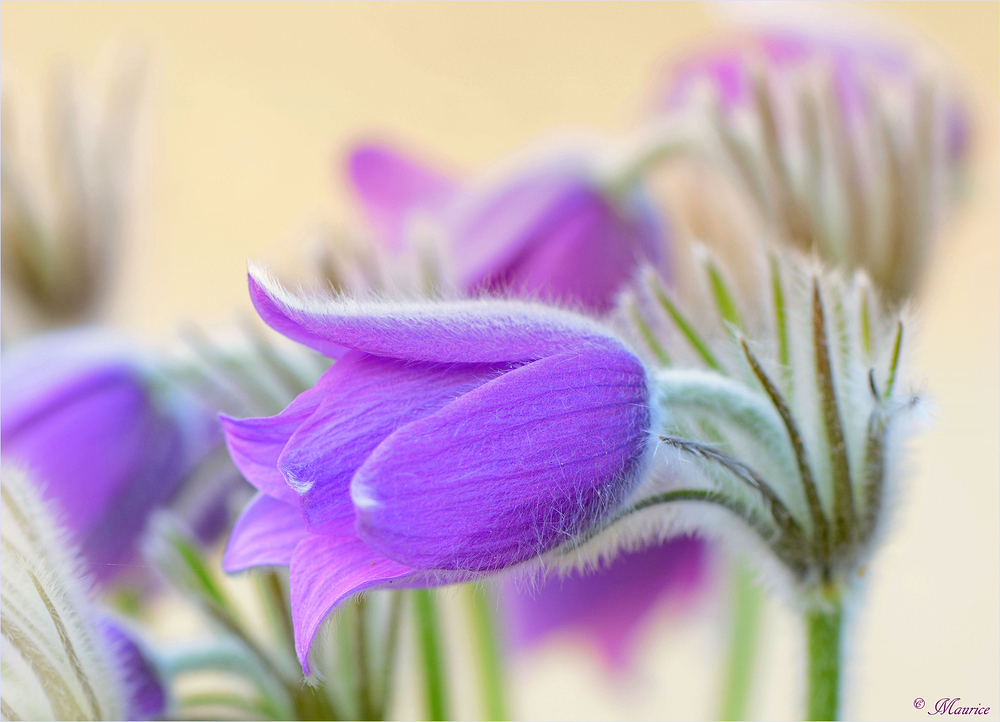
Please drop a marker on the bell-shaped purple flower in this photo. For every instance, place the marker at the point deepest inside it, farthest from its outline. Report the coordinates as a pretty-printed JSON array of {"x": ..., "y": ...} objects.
[
  {"x": 546, "y": 230},
  {"x": 447, "y": 441},
  {"x": 108, "y": 442}
]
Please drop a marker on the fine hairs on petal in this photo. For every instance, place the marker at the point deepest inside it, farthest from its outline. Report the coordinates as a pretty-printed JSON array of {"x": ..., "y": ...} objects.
[
  {"x": 483, "y": 330},
  {"x": 55, "y": 664}
]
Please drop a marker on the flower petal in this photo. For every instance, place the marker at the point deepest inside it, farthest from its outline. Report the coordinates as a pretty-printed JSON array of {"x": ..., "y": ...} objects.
[
  {"x": 511, "y": 469},
  {"x": 369, "y": 397},
  {"x": 392, "y": 187},
  {"x": 267, "y": 532},
  {"x": 584, "y": 255},
  {"x": 145, "y": 691},
  {"x": 48, "y": 370},
  {"x": 457, "y": 331},
  {"x": 256, "y": 443},
  {"x": 325, "y": 571},
  {"x": 104, "y": 454},
  {"x": 492, "y": 227},
  {"x": 611, "y": 604}
]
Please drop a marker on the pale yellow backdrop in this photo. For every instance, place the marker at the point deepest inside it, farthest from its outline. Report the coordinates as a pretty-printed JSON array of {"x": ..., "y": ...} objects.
[{"x": 248, "y": 110}]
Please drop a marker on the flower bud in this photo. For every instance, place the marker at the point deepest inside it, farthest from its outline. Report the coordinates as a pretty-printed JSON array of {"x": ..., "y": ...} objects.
[
  {"x": 448, "y": 441},
  {"x": 850, "y": 146}
]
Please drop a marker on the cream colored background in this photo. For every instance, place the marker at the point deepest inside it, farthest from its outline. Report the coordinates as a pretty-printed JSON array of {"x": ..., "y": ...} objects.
[{"x": 251, "y": 103}]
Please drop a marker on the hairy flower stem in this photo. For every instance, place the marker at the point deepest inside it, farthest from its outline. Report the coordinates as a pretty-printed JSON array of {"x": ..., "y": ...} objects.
[
  {"x": 746, "y": 614},
  {"x": 823, "y": 629},
  {"x": 364, "y": 676},
  {"x": 488, "y": 649},
  {"x": 389, "y": 654},
  {"x": 658, "y": 145},
  {"x": 432, "y": 657}
]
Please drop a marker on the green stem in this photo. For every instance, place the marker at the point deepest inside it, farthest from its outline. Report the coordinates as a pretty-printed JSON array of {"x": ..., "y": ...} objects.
[
  {"x": 429, "y": 644},
  {"x": 488, "y": 649},
  {"x": 275, "y": 602},
  {"x": 823, "y": 627},
  {"x": 389, "y": 654},
  {"x": 660, "y": 143},
  {"x": 233, "y": 701},
  {"x": 746, "y": 612},
  {"x": 364, "y": 677}
]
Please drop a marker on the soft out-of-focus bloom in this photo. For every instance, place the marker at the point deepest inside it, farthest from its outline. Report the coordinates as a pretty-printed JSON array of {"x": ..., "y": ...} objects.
[
  {"x": 63, "y": 231},
  {"x": 147, "y": 697},
  {"x": 846, "y": 145},
  {"x": 62, "y": 657},
  {"x": 609, "y": 604},
  {"x": 547, "y": 229},
  {"x": 449, "y": 440},
  {"x": 107, "y": 438}
]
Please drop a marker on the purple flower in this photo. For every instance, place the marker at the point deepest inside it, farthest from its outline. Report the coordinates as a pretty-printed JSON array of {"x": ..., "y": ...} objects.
[
  {"x": 145, "y": 689},
  {"x": 858, "y": 67},
  {"x": 108, "y": 443},
  {"x": 447, "y": 441},
  {"x": 610, "y": 604},
  {"x": 546, "y": 230}
]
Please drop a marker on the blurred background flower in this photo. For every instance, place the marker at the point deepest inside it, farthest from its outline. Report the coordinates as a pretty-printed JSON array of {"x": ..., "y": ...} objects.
[
  {"x": 107, "y": 436},
  {"x": 544, "y": 228},
  {"x": 851, "y": 145},
  {"x": 66, "y": 215}
]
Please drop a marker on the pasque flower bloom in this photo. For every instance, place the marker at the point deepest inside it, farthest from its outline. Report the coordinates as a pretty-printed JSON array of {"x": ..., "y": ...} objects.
[
  {"x": 849, "y": 146},
  {"x": 447, "y": 441},
  {"x": 546, "y": 229},
  {"x": 84, "y": 412}
]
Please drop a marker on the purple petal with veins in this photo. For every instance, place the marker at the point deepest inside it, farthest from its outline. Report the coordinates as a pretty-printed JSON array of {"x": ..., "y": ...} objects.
[{"x": 449, "y": 440}]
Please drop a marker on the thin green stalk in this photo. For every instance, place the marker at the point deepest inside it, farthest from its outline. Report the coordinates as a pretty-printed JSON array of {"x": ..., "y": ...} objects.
[
  {"x": 685, "y": 326},
  {"x": 275, "y": 603},
  {"x": 647, "y": 334},
  {"x": 347, "y": 660},
  {"x": 488, "y": 649},
  {"x": 389, "y": 653},
  {"x": 364, "y": 678},
  {"x": 662, "y": 145},
  {"x": 255, "y": 709},
  {"x": 823, "y": 628},
  {"x": 746, "y": 613},
  {"x": 432, "y": 656}
]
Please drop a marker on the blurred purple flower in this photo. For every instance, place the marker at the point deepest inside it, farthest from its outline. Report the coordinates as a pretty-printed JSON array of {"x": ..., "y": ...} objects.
[
  {"x": 547, "y": 230},
  {"x": 610, "y": 604},
  {"x": 858, "y": 68},
  {"x": 448, "y": 441},
  {"x": 145, "y": 689},
  {"x": 86, "y": 416}
]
